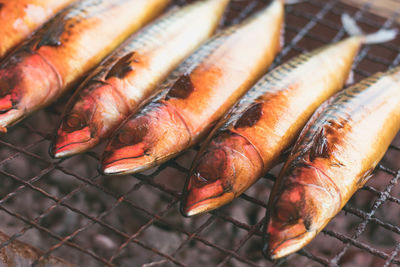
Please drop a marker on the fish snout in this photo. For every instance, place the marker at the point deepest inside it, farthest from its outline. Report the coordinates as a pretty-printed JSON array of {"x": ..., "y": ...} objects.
[
  {"x": 288, "y": 223},
  {"x": 145, "y": 140},
  {"x": 206, "y": 187},
  {"x": 296, "y": 215},
  {"x": 228, "y": 167},
  {"x": 27, "y": 83},
  {"x": 74, "y": 136}
]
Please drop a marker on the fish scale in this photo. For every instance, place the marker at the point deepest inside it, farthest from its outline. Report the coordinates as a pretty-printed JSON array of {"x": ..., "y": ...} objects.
[
  {"x": 19, "y": 19},
  {"x": 58, "y": 55},
  {"x": 334, "y": 156},
  {"x": 132, "y": 72},
  {"x": 269, "y": 83},
  {"x": 186, "y": 107},
  {"x": 255, "y": 134}
]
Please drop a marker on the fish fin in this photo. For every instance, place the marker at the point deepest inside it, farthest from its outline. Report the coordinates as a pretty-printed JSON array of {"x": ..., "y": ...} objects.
[
  {"x": 319, "y": 148},
  {"x": 51, "y": 33},
  {"x": 381, "y": 36}
]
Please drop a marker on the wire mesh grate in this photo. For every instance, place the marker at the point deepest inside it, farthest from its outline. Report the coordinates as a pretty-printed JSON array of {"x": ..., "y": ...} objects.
[{"x": 67, "y": 209}]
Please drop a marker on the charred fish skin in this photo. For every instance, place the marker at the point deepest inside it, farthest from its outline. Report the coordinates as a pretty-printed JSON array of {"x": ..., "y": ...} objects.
[
  {"x": 64, "y": 50},
  {"x": 184, "y": 112},
  {"x": 131, "y": 73},
  {"x": 19, "y": 19},
  {"x": 251, "y": 138},
  {"x": 333, "y": 157}
]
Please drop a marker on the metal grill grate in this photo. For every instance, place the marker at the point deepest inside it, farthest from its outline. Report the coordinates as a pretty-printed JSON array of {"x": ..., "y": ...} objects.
[{"x": 67, "y": 209}]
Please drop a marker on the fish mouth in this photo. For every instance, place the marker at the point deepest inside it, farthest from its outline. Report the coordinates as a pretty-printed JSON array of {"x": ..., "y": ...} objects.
[
  {"x": 287, "y": 246},
  {"x": 125, "y": 166},
  {"x": 206, "y": 205},
  {"x": 283, "y": 239},
  {"x": 126, "y": 160},
  {"x": 10, "y": 118},
  {"x": 73, "y": 143},
  {"x": 206, "y": 198}
]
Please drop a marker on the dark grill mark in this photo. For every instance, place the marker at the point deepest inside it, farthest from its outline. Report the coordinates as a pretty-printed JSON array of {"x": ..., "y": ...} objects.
[
  {"x": 250, "y": 117},
  {"x": 122, "y": 67},
  {"x": 1, "y": 6},
  {"x": 182, "y": 88}
]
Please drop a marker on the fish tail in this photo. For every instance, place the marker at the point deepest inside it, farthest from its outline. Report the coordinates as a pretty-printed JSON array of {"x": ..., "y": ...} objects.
[{"x": 381, "y": 36}]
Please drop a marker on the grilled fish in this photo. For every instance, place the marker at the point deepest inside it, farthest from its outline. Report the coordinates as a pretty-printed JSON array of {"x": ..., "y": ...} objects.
[
  {"x": 131, "y": 73},
  {"x": 187, "y": 108},
  {"x": 251, "y": 139},
  {"x": 59, "y": 54},
  {"x": 333, "y": 157},
  {"x": 18, "y": 19}
]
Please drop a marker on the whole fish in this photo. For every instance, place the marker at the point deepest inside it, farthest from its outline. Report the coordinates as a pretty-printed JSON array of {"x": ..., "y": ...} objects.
[
  {"x": 186, "y": 109},
  {"x": 18, "y": 19},
  {"x": 75, "y": 41},
  {"x": 131, "y": 73},
  {"x": 251, "y": 139},
  {"x": 333, "y": 157}
]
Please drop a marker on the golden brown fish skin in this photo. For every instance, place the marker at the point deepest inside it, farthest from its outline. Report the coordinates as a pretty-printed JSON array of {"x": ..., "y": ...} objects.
[
  {"x": 131, "y": 73},
  {"x": 252, "y": 137},
  {"x": 333, "y": 157},
  {"x": 19, "y": 19},
  {"x": 198, "y": 98},
  {"x": 64, "y": 50}
]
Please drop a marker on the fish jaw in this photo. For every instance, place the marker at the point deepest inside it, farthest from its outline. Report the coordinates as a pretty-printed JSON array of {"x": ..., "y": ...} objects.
[
  {"x": 68, "y": 144},
  {"x": 229, "y": 166},
  {"x": 89, "y": 120},
  {"x": 151, "y": 137},
  {"x": 283, "y": 243},
  {"x": 27, "y": 81},
  {"x": 301, "y": 205}
]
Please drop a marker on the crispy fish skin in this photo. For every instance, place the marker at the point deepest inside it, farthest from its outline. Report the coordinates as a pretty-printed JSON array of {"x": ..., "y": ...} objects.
[
  {"x": 19, "y": 19},
  {"x": 251, "y": 138},
  {"x": 59, "y": 54},
  {"x": 180, "y": 116},
  {"x": 333, "y": 157},
  {"x": 131, "y": 73}
]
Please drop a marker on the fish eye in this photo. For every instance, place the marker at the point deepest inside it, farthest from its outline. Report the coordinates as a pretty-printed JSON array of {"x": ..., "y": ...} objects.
[
  {"x": 212, "y": 166},
  {"x": 125, "y": 137},
  {"x": 287, "y": 212},
  {"x": 74, "y": 122}
]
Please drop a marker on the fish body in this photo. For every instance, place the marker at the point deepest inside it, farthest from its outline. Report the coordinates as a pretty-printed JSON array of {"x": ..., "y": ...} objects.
[
  {"x": 252, "y": 137},
  {"x": 334, "y": 156},
  {"x": 131, "y": 73},
  {"x": 19, "y": 19},
  {"x": 66, "y": 48},
  {"x": 191, "y": 103}
]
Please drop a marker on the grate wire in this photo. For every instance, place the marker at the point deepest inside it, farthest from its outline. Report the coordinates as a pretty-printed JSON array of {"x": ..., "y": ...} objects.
[{"x": 196, "y": 236}]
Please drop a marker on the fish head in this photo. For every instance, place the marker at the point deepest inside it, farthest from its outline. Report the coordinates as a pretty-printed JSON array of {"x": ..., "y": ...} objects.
[
  {"x": 27, "y": 82},
  {"x": 74, "y": 136},
  {"x": 151, "y": 136},
  {"x": 301, "y": 204},
  {"x": 90, "y": 116},
  {"x": 229, "y": 165}
]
